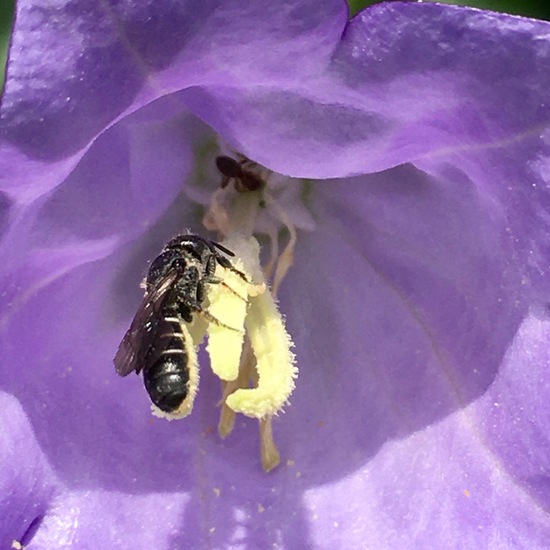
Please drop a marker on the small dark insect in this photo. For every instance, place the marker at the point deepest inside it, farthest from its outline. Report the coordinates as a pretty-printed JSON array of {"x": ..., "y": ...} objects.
[
  {"x": 243, "y": 178},
  {"x": 158, "y": 341}
]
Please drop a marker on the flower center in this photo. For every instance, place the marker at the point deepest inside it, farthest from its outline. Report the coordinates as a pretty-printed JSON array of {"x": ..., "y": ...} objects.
[{"x": 256, "y": 364}]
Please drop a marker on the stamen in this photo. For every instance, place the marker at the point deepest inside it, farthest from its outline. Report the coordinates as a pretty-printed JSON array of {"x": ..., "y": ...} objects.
[
  {"x": 246, "y": 373},
  {"x": 286, "y": 259},
  {"x": 274, "y": 256},
  {"x": 268, "y": 451},
  {"x": 274, "y": 361},
  {"x": 228, "y": 304},
  {"x": 266, "y": 361},
  {"x": 216, "y": 217},
  {"x": 257, "y": 371}
]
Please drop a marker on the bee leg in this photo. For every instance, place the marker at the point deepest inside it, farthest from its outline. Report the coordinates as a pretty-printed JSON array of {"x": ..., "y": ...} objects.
[
  {"x": 210, "y": 278},
  {"x": 187, "y": 309},
  {"x": 211, "y": 266},
  {"x": 201, "y": 291},
  {"x": 224, "y": 262},
  {"x": 211, "y": 319},
  {"x": 185, "y": 312},
  {"x": 209, "y": 273}
]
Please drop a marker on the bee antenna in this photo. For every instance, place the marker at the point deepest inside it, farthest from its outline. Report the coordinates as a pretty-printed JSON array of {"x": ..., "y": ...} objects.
[{"x": 223, "y": 249}]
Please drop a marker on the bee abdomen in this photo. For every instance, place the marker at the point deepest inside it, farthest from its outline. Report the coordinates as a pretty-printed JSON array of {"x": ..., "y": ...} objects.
[
  {"x": 167, "y": 383},
  {"x": 166, "y": 378}
]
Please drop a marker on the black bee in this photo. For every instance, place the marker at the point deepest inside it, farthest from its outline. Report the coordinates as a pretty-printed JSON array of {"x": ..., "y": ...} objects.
[
  {"x": 158, "y": 341},
  {"x": 244, "y": 179}
]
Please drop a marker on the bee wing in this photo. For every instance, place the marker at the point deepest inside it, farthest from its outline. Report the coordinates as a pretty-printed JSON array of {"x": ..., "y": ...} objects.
[{"x": 137, "y": 340}]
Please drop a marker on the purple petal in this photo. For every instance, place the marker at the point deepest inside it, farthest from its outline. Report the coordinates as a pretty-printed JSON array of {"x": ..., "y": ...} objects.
[
  {"x": 423, "y": 383},
  {"x": 27, "y": 483},
  {"x": 104, "y": 60},
  {"x": 406, "y": 82}
]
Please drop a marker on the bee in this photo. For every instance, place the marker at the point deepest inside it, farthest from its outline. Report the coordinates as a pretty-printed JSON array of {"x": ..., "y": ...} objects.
[
  {"x": 158, "y": 341},
  {"x": 243, "y": 178}
]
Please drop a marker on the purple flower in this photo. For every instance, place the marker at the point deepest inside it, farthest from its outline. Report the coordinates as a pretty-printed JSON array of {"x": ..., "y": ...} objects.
[{"x": 418, "y": 298}]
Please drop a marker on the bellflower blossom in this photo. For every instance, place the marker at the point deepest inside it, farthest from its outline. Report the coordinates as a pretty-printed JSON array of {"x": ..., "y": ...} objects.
[{"x": 417, "y": 300}]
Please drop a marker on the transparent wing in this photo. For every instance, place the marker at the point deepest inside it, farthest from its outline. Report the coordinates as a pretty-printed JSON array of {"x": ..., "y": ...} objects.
[{"x": 138, "y": 339}]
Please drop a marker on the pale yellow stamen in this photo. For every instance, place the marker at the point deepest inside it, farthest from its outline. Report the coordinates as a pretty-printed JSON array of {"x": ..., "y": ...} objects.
[
  {"x": 286, "y": 259},
  {"x": 228, "y": 305},
  {"x": 268, "y": 451},
  {"x": 257, "y": 369},
  {"x": 217, "y": 218},
  {"x": 274, "y": 361},
  {"x": 246, "y": 374},
  {"x": 269, "y": 341}
]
